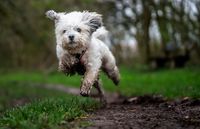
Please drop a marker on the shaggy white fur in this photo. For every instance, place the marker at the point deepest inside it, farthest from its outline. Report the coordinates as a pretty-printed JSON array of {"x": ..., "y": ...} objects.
[{"x": 82, "y": 33}]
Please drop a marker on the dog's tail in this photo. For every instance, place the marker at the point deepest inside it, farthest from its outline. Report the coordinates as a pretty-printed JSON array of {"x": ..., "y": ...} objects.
[{"x": 103, "y": 35}]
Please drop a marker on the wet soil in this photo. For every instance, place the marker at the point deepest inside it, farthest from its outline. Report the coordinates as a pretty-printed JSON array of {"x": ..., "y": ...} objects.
[{"x": 147, "y": 112}]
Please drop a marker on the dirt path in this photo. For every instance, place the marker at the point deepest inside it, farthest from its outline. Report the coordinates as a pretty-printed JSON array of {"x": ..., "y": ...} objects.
[
  {"x": 142, "y": 112},
  {"x": 148, "y": 113}
]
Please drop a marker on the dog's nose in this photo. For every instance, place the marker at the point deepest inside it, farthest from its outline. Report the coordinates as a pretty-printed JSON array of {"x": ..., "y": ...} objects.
[{"x": 71, "y": 37}]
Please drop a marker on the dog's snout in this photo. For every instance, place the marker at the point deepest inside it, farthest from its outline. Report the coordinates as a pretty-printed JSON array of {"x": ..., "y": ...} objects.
[{"x": 71, "y": 37}]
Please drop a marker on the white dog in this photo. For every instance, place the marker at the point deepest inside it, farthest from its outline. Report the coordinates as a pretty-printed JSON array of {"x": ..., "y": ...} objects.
[{"x": 80, "y": 48}]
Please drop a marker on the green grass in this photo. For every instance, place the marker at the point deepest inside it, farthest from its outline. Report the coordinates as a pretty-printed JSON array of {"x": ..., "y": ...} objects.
[
  {"x": 39, "y": 77},
  {"x": 39, "y": 107},
  {"x": 170, "y": 83},
  {"x": 15, "y": 93},
  {"x": 51, "y": 113}
]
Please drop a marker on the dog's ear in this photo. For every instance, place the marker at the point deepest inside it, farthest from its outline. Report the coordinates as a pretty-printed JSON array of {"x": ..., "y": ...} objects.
[
  {"x": 51, "y": 14},
  {"x": 92, "y": 19}
]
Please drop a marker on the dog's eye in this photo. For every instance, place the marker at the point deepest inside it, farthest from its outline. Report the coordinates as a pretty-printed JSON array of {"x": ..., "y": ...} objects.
[
  {"x": 64, "y": 31},
  {"x": 78, "y": 29}
]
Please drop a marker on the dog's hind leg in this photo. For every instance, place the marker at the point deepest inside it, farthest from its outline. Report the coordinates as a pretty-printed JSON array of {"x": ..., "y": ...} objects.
[
  {"x": 110, "y": 68},
  {"x": 98, "y": 86},
  {"x": 113, "y": 74}
]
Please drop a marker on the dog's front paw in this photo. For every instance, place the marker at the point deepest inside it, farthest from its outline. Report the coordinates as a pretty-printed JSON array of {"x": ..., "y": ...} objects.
[
  {"x": 85, "y": 88},
  {"x": 84, "y": 93}
]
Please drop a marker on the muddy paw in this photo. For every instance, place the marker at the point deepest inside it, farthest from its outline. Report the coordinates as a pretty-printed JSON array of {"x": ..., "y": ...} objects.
[
  {"x": 116, "y": 81},
  {"x": 85, "y": 89},
  {"x": 84, "y": 94}
]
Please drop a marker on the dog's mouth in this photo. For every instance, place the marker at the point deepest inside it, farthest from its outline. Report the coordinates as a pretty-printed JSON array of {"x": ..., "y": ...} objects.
[
  {"x": 69, "y": 45},
  {"x": 72, "y": 42}
]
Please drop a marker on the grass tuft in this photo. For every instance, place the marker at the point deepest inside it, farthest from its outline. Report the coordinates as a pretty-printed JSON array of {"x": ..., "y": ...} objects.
[{"x": 48, "y": 113}]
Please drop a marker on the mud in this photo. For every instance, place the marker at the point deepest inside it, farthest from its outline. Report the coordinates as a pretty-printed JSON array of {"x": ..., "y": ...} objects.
[{"x": 147, "y": 112}]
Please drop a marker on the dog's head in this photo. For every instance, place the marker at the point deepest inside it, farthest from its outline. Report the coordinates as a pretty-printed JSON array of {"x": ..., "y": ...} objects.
[{"x": 73, "y": 30}]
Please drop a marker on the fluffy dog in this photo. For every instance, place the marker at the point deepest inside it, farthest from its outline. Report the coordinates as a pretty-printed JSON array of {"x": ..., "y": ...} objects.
[{"x": 81, "y": 49}]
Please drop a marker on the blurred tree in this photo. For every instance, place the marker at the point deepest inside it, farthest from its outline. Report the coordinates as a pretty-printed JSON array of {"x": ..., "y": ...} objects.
[{"x": 177, "y": 22}]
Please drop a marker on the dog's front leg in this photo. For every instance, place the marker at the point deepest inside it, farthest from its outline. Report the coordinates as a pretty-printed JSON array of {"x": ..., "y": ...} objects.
[
  {"x": 91, "y": 74},
  {"x": 66, "y": 63}
]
